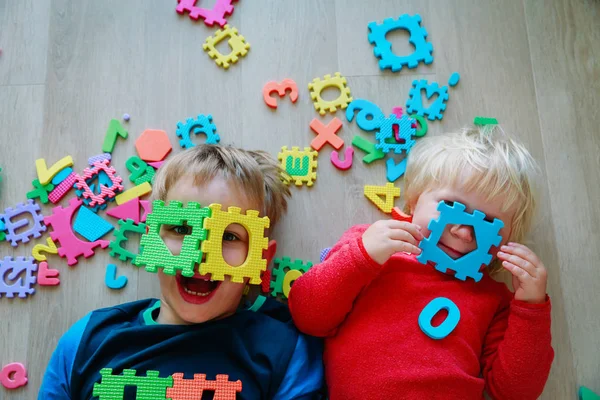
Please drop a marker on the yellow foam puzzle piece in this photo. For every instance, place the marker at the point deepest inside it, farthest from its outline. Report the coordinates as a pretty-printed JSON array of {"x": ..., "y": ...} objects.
[
  {"x": 46, "y": 174},
  {"x": 390, "y": 192},
  {"x": 38, "y": 248},
  {"x": 239, "y": 47},
  {"x": 317, "y": 86},
  {"x": 136, "y": 191},
  {"x": 301, "y": 166},
  {"x": 212, "y": 248}
]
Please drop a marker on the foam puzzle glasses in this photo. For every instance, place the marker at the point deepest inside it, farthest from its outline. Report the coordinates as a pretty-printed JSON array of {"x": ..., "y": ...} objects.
[{"x": 205, "y": 240}]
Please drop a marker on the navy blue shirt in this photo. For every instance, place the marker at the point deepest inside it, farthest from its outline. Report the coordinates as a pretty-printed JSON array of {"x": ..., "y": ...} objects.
[{"x": 262, "y": 349}]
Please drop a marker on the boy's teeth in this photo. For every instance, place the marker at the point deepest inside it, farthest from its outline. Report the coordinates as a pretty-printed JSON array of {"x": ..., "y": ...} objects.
[{"x": 196, "y": 293}]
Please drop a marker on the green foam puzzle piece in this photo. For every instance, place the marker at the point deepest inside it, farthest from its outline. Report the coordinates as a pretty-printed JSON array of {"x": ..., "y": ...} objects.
[
  {"x": 587, "y": 394},
  {"x": 114, "y": 129},
  {"x": 140, "y": 171},
  {"x": 116, "y": 247},
  {"x": 485, "y": 121},
  {"x": 373, "y": 154},
  {"x": 155, "y": 253},
  {"x": 40, "y": 191},
  {"x": 282, "y": 267},
  {"x": 149, "y": 387}
]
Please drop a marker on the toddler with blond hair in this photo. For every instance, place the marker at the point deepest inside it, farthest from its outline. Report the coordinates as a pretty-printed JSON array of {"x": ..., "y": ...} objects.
[
  {"x": 199, "y": 330},
  {"x": 366, "y": 296}
]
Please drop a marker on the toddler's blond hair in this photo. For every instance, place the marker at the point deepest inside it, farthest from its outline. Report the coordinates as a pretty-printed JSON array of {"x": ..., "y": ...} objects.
[
  {"x": 484, "y": 160},
  {"x": 255, "y": 173}
]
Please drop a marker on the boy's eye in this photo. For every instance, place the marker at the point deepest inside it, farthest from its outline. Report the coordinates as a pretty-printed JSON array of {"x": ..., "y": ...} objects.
[
  {"x": 229, "y": 237},
  {"x": 182, "y": 230},
  {"x": 449, "y": 203}
]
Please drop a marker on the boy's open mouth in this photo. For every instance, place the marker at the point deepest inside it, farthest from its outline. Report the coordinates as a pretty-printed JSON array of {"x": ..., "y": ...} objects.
[{"x": 197, "y": 289}]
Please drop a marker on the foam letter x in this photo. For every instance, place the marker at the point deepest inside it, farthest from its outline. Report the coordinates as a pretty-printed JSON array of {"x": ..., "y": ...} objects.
[{"x": 326, "y": 134}]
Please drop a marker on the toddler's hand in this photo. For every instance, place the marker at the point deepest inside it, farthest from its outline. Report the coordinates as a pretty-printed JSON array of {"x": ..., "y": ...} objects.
[
  {"x": 529, "y": 274},
  {"x": 386, "y": 237}
]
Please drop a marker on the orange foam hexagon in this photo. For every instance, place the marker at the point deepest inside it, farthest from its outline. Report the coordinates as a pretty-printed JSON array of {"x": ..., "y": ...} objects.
[{"x": 153, "y": 145}]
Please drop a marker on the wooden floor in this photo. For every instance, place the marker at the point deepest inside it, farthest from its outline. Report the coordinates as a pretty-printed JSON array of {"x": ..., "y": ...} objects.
[{"x": 67, "y": 67}]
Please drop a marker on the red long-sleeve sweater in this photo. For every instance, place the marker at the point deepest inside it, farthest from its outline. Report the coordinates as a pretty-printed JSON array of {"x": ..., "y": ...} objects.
[{"x": 374, "y": 348}]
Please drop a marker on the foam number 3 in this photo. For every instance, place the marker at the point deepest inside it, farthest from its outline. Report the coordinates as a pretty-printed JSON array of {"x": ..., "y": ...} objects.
[
  {"x": 446, "y": 327},
  {"x": 281, "y": 89}
]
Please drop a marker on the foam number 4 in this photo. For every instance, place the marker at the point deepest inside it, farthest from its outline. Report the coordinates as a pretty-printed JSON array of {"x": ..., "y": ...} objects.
[
  {"x": 389, "y": 191},
  {"x": 281, "y": 89},
  {"x": 446, "y": 327}
]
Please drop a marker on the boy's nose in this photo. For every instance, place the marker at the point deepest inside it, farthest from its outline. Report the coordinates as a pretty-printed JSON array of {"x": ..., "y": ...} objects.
[{"x": 463, "y": 232}]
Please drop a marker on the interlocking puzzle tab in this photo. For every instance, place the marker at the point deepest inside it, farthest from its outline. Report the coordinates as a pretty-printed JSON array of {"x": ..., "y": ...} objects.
[
  {"x": 149, "y": 387},
  {"x": 106, "y": 192},
  {"x": 210, "y": 16},
  {"x": 299, "y": 165},
  {"x": 13, "y": 375},
  {"x": 285, "y": 273},
  {"x": 116, "y": 246},
  {"x": 486, "y": 235},
  {"x": 19, "y": 271},
  {"x": 281, "y": 89},
  {"x": 212, "y": 247},
  {"x": 155, "y": 253},
  {"x": 35, "y": 230},
  {"x": 45, "y": 175},
  {"x": 71, "y": 247},
  {"x": 202, "y": 124},
  {"x": 383, "y": 47},
  {"x": 191, "y": 389},
  {"x": 390, "y": 192},
  {"x": 446, "y": 327},
  {"x": 317, "y": 86},
  {"x": 414, "y": 104},
  {"x": 239, "y": 47}
]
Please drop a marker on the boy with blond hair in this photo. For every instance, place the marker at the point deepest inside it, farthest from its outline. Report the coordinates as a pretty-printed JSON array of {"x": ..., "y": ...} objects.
[
  {"x": 366, "y": 296},
  {"x": 198, "y": 327}
]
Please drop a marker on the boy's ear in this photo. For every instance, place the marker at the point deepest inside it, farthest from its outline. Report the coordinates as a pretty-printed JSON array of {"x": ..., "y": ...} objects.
[{"x": 269, "y": 253}]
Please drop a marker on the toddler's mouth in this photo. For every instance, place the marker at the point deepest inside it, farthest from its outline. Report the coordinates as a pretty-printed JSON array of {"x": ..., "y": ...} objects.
[
  {"x": 453, "y": 253},
  {"x": 197, "y": 289}
]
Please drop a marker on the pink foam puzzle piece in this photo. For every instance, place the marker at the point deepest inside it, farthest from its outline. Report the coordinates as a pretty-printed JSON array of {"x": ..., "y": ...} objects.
[
  {"x": 147, "y": 206},
  {"x": 13, "y": 375},
  {"x": 71, "y": 246},
  {"x": 156, "y": 164},
  {"x": 47, "y": 276},
  {"x": 210, "y": 16},
  {"x": 63, "y": 188},
  {"x": 128, "y": 210}
]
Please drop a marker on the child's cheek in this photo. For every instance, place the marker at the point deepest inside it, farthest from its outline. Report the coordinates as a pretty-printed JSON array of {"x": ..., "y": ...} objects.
[{"x": 235, "y": 253}]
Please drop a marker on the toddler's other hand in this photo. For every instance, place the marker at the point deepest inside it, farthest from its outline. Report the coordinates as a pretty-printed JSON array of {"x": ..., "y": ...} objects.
[
  {"x": 386, "y": 237},
  {"x": 529, "y": 274}
]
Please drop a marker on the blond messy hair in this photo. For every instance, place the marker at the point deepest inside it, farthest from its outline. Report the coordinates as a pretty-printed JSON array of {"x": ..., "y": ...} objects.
[
  {"x": 255, "y": 173},
  {"x": 485, "y": 161}
]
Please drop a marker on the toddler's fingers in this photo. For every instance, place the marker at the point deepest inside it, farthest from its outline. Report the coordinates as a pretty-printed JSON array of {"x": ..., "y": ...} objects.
[
  {"x": 406, "y": 247},
  {"x": 519, "y": 262},
  {"x": 415, "y": 230},
  {"x": 520, "y": 273},
  {"x": 522, "y": 251},
  {"x": 399, "y": 234}
]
